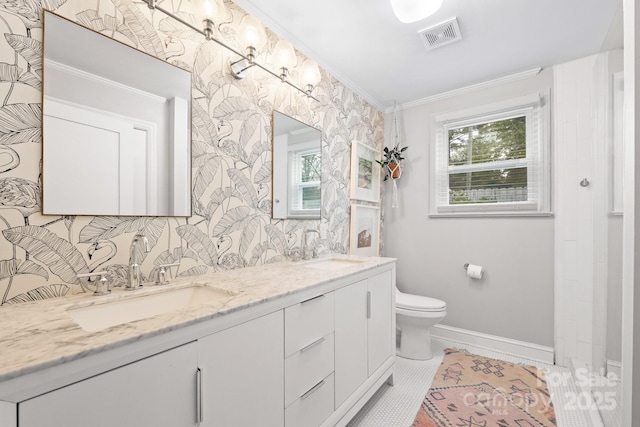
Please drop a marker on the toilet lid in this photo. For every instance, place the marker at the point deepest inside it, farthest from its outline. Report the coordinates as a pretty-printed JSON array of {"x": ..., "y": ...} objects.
[{"x": 419, "y": 302}]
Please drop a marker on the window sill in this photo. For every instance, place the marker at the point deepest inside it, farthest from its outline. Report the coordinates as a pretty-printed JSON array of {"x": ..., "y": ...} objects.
[{"x": 494, "y": 214}]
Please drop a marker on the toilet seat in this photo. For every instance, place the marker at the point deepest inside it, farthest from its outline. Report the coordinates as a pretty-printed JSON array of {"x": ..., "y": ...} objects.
[{"x": 419, "y": 303}]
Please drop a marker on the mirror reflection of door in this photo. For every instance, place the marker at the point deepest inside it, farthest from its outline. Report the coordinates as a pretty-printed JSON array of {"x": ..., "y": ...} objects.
[
  {"x": 109, "y": 157},
  {"x": 116, "y": 127}
]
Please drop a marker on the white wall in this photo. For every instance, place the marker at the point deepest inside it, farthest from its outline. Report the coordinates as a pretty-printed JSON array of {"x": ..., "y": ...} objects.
[
  {"x": 573, "y": 209},
  {"x": 582, "y": 128},
  {"x": 515, "y": 299}
]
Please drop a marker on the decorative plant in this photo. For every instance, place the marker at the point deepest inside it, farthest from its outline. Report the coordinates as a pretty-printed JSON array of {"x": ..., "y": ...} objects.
[{"x": 391, "y": 161}]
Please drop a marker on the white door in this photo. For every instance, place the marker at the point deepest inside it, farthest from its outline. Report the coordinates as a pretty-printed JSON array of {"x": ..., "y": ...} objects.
[
  {"x": 157, "y": 391},
  {"x": 243, "y": 374},
  {"x": 350, "y": 340},
  {"x": 94, "y": 162},
  {"x": 380, "y": 331}
]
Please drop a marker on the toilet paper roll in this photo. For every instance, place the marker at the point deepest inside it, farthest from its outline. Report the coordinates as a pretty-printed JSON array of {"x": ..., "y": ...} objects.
[{"x": 475, "y": 271}]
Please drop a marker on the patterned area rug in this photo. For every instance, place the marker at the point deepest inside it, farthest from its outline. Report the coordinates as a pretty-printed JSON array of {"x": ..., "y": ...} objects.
[{"x": 475, "y": 391}]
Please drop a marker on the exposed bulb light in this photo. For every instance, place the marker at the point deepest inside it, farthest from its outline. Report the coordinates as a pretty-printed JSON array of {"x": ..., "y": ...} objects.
[
  {"x": 211, "y": 10},
  {"x": 284, "y": 58},
  {"x": 310, "y": 75},
  {"x": 254, "y": 37},
  {"x": 252, "y": 32},
  {"x": 408, "y": 11}
]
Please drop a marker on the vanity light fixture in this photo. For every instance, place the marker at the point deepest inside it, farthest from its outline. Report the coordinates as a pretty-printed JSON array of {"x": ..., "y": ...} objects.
[
  {"x": 254, "y": 37},
  {"x": 211, "y": 11},
  {"x": 408, "y": 11},
  {"x": 310, "y": 75},
  {"x": 284, "y": 58},
  {"x": 284, "y": 53}
]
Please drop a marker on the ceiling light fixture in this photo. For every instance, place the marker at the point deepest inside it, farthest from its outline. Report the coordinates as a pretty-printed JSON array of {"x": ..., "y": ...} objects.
[
  {"x": 408, "y": 11},
  {"x": 254, "y": 37}
]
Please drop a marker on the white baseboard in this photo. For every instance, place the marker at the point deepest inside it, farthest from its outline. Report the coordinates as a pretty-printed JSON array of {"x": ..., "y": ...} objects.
[
  {"x": 614, "y": 367},
  {"x": 525, "y": 350}
]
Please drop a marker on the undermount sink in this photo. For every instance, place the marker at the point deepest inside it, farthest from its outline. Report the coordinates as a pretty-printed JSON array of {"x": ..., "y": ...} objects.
[
  {"x": 105, "y": 315},
  {"x": 333, "y": 263}
]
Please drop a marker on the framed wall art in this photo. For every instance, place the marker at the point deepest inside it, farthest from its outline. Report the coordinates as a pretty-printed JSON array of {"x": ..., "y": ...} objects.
[
  {"x": 365, "y": 173},
  {"x": 365, "y": 230}
]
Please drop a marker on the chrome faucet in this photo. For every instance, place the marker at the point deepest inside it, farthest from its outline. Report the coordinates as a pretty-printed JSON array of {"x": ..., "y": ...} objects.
[
  {"x": 135, "y": 277},
  {"x": 305, "y": 248}
]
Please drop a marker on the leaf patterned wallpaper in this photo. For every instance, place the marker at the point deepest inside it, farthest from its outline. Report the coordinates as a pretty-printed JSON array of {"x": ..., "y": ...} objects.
[{"x": 231, "y": 226}]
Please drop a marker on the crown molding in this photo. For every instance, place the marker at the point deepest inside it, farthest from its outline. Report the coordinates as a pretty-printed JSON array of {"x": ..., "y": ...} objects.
[
  {"x": 76, "y": 72},
  {"x": 483, "y": 85}
]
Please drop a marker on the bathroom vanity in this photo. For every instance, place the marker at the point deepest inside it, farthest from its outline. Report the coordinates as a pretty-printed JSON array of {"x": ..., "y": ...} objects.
[{"x": 286, "y": 344}]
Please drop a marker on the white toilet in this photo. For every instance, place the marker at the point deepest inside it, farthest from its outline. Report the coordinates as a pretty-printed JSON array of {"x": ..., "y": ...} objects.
[{"x": 415, "y": 316}]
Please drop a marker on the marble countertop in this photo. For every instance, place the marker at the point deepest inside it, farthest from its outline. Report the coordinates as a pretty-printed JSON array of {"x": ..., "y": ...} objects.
[{"x": 42, "y": 334}]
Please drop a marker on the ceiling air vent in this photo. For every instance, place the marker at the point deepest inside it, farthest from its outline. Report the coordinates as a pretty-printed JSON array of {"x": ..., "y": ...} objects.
[{"x": 441, "y": 34}]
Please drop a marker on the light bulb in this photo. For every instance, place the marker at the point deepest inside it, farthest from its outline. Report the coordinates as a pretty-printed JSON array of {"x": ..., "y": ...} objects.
[
  {"x": 284, "y": 55},
  {"x": 252, "y": 33},
  {"x": 310, "y": 75},
  {"x": 409, "y": 11},
  {"x": 209, "y": 9}
]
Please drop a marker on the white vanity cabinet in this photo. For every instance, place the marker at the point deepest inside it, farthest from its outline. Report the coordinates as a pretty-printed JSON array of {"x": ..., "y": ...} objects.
[
  {"x": 157, "y": 391},
  {"x": 381, "y": 331},
  {"x": 299, "y": 359},
  {"x": 364, "y": 334},
  {"x": 309, "y": 362},
  {"x": 242, "y": 374}
]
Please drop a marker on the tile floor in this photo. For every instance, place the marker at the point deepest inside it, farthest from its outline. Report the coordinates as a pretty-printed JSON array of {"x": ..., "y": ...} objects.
[
  {"x": 608, "y": 395},
  {"x": 396, "y": 406}
]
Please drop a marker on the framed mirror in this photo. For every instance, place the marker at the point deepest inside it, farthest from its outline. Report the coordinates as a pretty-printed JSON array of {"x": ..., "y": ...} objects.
[
  {"x": 297, "y": 169},
  {"x": 116, "y": 127}
]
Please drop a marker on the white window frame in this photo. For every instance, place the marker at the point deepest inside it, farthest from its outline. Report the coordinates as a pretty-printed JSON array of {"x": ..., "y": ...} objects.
[
  {"x": 296, "y": 185},
  {"x": 536, "y": 108}
]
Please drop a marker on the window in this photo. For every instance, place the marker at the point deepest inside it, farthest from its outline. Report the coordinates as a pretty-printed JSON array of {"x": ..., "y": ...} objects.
[
  {"x": 492, "y": 160},
  {"x": 304, "y": 188}
]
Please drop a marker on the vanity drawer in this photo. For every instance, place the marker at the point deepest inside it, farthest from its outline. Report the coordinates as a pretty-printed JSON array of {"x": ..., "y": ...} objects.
[
  {"x": 313, "y": 407},
  {"x": 307, "y": 321},
  {"x": 307, "y": 367}
]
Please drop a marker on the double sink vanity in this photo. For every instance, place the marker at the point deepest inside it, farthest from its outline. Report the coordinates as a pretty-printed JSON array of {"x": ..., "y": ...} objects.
[{"x": 283, "y": 344}]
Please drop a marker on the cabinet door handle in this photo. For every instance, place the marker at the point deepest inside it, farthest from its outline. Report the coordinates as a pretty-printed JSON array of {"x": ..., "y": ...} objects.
[
  {"x": 313, "y": 344},
  {"x": 368, "y": 304},
  {"x": 199, "y": 417},
  {"x": 313, "y": 299},
  {"x": 312, "y": 390}
]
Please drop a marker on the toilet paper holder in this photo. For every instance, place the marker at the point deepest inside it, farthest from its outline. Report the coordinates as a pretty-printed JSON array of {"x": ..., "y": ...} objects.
[{"x": 476, "y": 273}]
